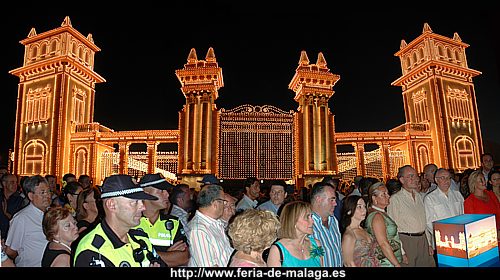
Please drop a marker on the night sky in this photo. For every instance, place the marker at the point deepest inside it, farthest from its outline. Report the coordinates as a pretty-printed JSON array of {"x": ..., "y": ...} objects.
[{"x": 258, "y": 48}]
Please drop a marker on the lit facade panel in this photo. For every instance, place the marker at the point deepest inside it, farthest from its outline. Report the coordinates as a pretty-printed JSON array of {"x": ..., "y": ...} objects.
[
  {"x": 256, "y": 142},
  {"x": 55, "y": 132}
]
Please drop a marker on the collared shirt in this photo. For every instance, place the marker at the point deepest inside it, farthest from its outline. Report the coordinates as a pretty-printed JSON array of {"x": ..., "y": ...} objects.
[
  {"x": 26, "y": 236},
  {"x": 330, "y": 240},
  {"x": 183, "y": 217},
  {"x": 270, "y": 206},
  {"x": 209, "y": 245},
  {"x": 246, "y": 203},
  {"x": 441, "y": 206},
  {"x": 407, "y": 212}
]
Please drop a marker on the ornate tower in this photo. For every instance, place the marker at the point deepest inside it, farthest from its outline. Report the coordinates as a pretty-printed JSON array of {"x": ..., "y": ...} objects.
[
  {"x": 314, "y": 125},
  {"x": 438, "y": 93},
  {"x": 198, "y": 120},
  {"x": 56, "y": 92}
]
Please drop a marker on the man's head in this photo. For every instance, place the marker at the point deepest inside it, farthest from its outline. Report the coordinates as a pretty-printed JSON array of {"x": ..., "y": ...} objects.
[
  {"x": 51, "y": 179},
  {"x": 123, "y": 200},
  {"x": 252, "y": 187},
  {"x": 323, "y": 198},
  {"x": 277, "y": 192},
  {"x": 157, "y": 186},
  {"x": 181, "y": 196},
  {"x": 85, "y": 180},
  {"x": 69, "y": 177},
  {"x": 408, "y": 177},
  {"x": 443, "y": 179},
  {"x": 9, "y": 183},
  {"x": 37, "y": 189},
  {"x": 229, "y": 207},
  {"x": 209, "y": 179},
  {"x": 211, "y": 201},
  {"x": 487, "y": 162},
  {"x": 334, "y": 182},
  {"x": 429, "y": 171}
]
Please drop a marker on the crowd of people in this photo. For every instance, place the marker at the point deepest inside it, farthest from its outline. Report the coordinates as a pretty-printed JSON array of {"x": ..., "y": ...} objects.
[{"x": 150, "y": 222}]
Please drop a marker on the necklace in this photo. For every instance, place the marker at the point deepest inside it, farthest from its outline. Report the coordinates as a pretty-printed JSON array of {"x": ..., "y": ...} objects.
[{"x": 59, "y": 242}]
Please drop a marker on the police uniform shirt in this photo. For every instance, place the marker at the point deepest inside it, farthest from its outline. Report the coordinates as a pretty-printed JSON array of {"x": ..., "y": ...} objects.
[
  {"x": 159, "y": 235},
  {"x": 89, "y": 257}
]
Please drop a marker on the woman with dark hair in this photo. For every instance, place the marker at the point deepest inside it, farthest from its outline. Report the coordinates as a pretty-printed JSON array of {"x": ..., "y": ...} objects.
[
  {"x": 494, "y": 182},
  {"x": 358, "y": 247},
  {"x": 60, "y": 230},
  {"x": 87, "y": 209},
  {"x": 70, "y": 195}
]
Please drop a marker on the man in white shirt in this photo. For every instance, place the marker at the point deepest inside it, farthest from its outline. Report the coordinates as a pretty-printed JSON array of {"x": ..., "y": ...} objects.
[
  {"x": 26, "y": 241},
  {"x": 252, "y": 192},
  {"x": 443, "y": 202},
  {"x": 407, "y": 209}
]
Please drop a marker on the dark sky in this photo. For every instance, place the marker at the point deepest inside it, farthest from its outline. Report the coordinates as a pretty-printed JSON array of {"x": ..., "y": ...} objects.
[{"x": 258, "y": 48}]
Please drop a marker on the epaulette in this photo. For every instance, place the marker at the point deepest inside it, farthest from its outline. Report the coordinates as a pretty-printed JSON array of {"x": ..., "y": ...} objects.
[{"x": 98, "y": 241}]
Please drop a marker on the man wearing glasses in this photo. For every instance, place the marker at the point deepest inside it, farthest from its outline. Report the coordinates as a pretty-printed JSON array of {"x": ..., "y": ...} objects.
[
  {"x": 26, "y": 241},
  {"x": 443, "y": 202},
  {"x": 209, "y": 244}
]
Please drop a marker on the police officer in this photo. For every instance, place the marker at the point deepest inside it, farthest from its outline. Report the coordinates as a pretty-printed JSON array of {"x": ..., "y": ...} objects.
[
  {"x": 113, "y": 242},
  {"x": 165, "y": 231}
]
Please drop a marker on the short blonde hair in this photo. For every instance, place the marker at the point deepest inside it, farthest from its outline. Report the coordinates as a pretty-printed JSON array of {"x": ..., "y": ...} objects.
[
  {"x": 254, "y": 230},
  {"x": 472, "y": 181},
  {"x": 290, "y": 215},
  {"x": 374, "y": 191}
]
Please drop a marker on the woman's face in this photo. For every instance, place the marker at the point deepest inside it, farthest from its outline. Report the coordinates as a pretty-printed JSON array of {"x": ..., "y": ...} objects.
[
  {"x": 381, "y": 199},
  {"x": 305, "y": 223},
  {"x": 360, "y": 211},
  {"x": 67, "y": 231},
  {"x": 495, "y": 180},
  {"x": 480, "y": 182}
]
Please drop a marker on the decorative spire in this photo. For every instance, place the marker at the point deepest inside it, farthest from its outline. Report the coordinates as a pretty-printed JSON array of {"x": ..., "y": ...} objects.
[
  {"x": 89, "y": 37},
  {"x": 304, "y": 60},
  {"x": 427, "y": 28},
  {"x": 66, "y": 22},
  {"x": 456, "y": 37},
  {"x": 321, "y": 62},
  {"x": 192, "y": 58},
  {"x": 403, "y": 44},
  {"x": 32, "y": 32},
  {"x": 210, "y": 57}
]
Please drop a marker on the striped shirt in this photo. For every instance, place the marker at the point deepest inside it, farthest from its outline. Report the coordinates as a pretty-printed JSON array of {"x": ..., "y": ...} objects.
[
  {"x": 209, "y": 244},
  {"x": 330, "y": 240}
]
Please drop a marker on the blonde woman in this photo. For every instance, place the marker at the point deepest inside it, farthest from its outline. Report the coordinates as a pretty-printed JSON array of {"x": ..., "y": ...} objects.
[
  {"x": 297, "y": 246},
  {"x": 382, "y": 227},
  {"x": 480, "y": 200},
  {"x": 252, "y": 232}
]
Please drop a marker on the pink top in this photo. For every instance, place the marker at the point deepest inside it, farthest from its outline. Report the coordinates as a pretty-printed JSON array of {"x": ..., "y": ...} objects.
[{"x": 474, "y": 205}]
